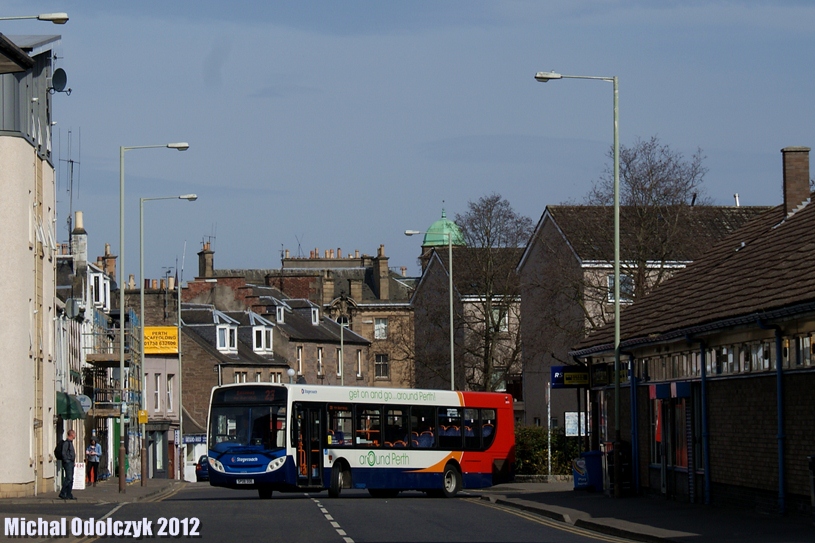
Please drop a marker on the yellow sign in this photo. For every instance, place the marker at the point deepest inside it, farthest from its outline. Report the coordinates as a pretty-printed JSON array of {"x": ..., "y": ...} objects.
[
  {"x": 142, "y": 416},
  {"x": 160, "y": 340}
]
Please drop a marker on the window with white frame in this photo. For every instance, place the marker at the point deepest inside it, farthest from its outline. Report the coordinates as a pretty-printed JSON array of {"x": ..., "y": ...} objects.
[
  {"x": 240, "y": 376},
  {"x": 319, "y": 360},
  {"x": 315, "y": 316},
  {"x": 382, "y": 367},
  {"x": 275, "y": 377},
  {"x": 626, "y": 288},
  {"x": 262, "y": 339},
  {"x": 359, "y": 363},
  {"x": 299, "y": 360},
  {"x": 339, "y": 362},
  {"x": 227, "y": 338},
  {"x": 381, "y": 328},
  {"x": 170, "y": 379},
  {"x": 157, "y": 393},
  {"x": 280, "y": 314}
]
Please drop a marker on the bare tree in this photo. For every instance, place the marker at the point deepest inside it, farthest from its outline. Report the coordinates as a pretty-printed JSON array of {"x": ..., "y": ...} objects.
[
  {"x": 485, "y": 276},
  {"x": 659, "y": 191}
]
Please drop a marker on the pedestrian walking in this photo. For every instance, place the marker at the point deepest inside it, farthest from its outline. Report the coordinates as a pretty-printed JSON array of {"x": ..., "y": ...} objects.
[
  {"x": 68, "y": 460},
  {"x": 92, "y": 454}
]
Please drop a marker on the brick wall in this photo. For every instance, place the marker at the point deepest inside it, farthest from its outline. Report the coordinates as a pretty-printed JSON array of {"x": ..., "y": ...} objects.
[{"x": 199, "y": 376}]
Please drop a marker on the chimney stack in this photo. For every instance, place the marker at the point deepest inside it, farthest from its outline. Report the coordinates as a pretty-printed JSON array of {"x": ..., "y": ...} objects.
[
  {"x": 109, "y": 262},
  {"x": 381, "y": 274},
  {"x": 79, "y": 243},
  {"x": 796, "y": 177},
  {"x": 206, "y": 261}
]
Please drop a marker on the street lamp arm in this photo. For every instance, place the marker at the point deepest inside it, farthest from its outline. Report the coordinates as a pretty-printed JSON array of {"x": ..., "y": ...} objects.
[
  {"x": 56, "y": 18},
  {"x": 180, "y": 146},
  {"x": 543, "y": 77}
]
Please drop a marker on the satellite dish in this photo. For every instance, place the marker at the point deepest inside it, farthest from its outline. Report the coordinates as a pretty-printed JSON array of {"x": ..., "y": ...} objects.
[{"x": 59, "y": 80}]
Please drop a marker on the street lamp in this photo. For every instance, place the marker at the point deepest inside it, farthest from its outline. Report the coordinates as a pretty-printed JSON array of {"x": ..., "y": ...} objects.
[
  {"x": 543, "y": 77},
  {"x": 450, "y": 285},
  {"x": 290, "y": 372},
  {"x": 56, "y": 18},
  {"x": 122, "y": 150},
  {"x": 191, "y": 198}
]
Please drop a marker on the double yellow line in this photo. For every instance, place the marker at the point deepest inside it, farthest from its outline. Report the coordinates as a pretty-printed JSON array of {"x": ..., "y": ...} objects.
[{"x": 563, "y": 527}]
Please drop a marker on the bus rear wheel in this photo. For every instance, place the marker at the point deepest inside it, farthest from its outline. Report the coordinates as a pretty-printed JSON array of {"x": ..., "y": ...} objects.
[
  {"x": 451, "y": 481},
  {"x": 264, "y": 493},
  {"x": 337, "y": 477}
]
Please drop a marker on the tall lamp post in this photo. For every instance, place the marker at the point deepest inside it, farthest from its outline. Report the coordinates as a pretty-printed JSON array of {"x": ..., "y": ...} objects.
[
  {"x": 56, "y": 18},
  {"x": 188, "y": 197},
  {"x": 180, "y": 147},
  {"x": 543, "y": 77},
  {"x": 450, "y": 287}
]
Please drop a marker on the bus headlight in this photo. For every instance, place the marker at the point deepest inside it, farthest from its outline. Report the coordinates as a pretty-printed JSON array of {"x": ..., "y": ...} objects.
[
  {"x": 277, "y": 463},
  {"x": 217, "y": 466}
]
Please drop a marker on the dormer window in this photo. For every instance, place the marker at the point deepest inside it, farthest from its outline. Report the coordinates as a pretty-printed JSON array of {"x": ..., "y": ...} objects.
[
  {"x": 227, "y": 338},
  {"x": 280, "y": 313},
  {"x": 100, "y": 290},
  {"x": 315, "y": 316},
  {"x": 262, "y": 339}
]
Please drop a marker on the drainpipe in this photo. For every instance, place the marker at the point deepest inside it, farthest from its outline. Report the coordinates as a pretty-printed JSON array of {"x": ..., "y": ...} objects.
[
  {"x": 705, "y": 423},
  {"x": 779, "y": 392},
  {"x": 635, "y": 434}
]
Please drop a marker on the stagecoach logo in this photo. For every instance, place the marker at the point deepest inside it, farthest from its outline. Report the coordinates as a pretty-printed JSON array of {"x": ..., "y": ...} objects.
[
  {"x": 307, "y": 391},
  {"x": 240, "y": 459}
]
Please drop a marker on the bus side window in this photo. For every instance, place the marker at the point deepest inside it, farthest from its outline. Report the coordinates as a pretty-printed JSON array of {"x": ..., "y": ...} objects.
[
  {"x": 488, "y": 423},
  {"x": 396, "y": 429},
  {"x": 339, "y": 425},
  {"x": 450, "y": 431},
  {"x": 472, "y": 430},
  {"x": 368, "y": 426},
  {"x": 422, "y": 427}
]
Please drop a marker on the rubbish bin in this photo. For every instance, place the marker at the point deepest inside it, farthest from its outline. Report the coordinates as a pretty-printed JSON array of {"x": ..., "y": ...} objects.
[{"x": 588, "y": 471}]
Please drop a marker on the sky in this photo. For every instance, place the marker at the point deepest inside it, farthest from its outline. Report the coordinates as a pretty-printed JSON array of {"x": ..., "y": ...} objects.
[{"x": 332, "y": 124}]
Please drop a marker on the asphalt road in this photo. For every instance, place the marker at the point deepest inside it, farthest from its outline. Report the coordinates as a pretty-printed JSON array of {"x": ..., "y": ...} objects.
[{"x": 215, "y": 515}]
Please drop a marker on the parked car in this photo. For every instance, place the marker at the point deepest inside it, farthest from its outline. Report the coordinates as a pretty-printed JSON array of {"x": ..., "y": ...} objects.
[{"x": 202, "y": 469}]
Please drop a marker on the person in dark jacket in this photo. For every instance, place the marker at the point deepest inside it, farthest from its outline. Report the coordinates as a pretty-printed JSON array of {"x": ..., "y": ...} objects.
[{"x": 68, "y": 460}]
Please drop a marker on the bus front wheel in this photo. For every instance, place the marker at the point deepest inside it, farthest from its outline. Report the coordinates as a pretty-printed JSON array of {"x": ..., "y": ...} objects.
[
  {"x": 451, "y": 481},
  {"x": 264, "y": 493},
  {"x": 337, "y": 476}
]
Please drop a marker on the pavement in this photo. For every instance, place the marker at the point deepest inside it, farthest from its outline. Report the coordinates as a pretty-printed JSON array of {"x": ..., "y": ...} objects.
[{"x": 651, "y": 519}]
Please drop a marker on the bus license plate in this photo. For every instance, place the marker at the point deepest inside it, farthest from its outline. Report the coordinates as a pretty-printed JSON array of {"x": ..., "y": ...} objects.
[{"x": 245, "y": 481}]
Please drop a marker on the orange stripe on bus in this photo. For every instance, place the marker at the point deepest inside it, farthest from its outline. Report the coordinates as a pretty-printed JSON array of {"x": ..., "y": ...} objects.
[{"x": 439, "y": 466}]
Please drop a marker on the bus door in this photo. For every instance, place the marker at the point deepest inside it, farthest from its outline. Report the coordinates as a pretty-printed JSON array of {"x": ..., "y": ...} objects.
[{"x": 308, "y": 420}]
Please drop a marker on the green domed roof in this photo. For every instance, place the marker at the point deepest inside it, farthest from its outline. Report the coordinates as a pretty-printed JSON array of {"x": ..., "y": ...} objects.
[{"x": 436, "y": 235}]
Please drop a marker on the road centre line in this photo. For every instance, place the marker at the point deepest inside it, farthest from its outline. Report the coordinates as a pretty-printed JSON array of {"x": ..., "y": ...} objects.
[{"x": 334, "y": 524}]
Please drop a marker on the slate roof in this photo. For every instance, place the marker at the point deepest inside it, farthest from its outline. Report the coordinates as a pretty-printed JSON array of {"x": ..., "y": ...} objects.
[
  {"x": 200, "y": 324},
  {"x": 590, "y": 229},
  {"x": 764, "y": 269}
]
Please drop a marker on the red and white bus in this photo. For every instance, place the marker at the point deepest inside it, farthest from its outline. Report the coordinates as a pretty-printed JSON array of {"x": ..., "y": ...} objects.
[{"x": 308, "y": 438}]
